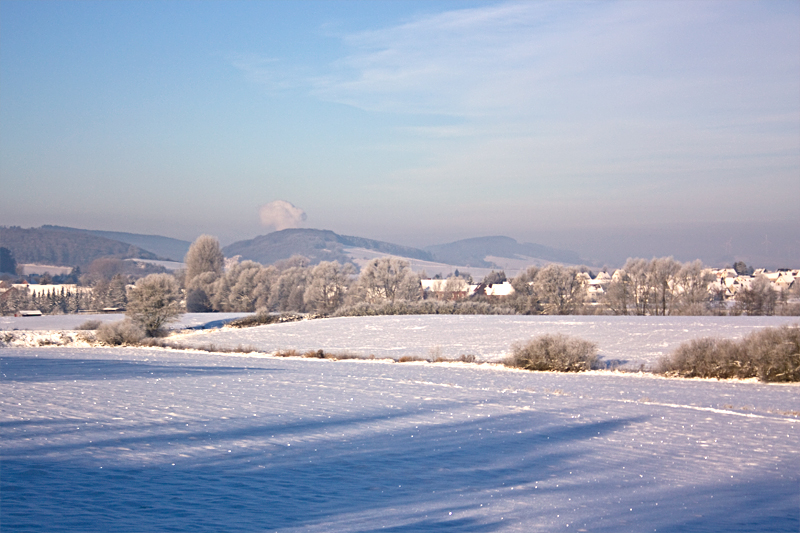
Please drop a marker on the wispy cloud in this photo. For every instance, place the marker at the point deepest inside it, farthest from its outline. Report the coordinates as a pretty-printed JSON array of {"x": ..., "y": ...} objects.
[
  {"x": 623, "y": 104},
  {"x": 570, "y": 61}
]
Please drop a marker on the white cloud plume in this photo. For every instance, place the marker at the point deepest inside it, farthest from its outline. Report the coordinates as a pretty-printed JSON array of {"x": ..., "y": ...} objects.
[{"x": 281, "y": 214}]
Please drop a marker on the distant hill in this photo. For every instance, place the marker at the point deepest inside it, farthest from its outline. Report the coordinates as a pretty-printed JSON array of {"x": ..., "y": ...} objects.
[
  {"x": 490, "y": 252},
  {"x": 317, "y": 245},
  {"x": 164, "y": 247},
  {"x": 63, "y": 247}
]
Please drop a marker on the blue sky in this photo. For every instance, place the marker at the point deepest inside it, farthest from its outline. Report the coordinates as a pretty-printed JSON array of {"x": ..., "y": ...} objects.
[{"x": 611, "y": 128}]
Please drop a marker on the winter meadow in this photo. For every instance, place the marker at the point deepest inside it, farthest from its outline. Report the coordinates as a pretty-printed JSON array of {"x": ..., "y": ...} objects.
[
  {"x": 383, "y": 406},
  {"x": 482, "y": 266}
]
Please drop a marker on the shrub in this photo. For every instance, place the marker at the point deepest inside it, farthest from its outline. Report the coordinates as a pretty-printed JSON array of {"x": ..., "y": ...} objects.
[
  {"x": 262, "y": 318},
  {"x": 772, "y": 354},
  {"x": 554, "y": 352},
  {"x": 89, "y": 325},
  {"x": 708, "y": 358},
  {"x": 122, "y": 332}
]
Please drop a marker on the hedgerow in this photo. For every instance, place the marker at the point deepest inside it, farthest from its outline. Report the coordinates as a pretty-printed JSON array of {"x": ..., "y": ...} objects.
[{"x": 771, "y": 355}]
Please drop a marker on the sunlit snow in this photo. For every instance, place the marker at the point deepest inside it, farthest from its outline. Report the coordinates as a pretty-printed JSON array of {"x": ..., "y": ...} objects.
[
  {"x": 630, "y": 341},
  {"x": 131, "y": 439}
]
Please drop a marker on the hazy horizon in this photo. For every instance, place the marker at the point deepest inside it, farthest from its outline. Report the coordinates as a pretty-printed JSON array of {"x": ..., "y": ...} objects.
[{"x": 613, "y": 129}]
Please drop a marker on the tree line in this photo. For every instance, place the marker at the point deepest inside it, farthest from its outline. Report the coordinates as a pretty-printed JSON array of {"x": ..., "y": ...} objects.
[{"x": 387, "y": 285}]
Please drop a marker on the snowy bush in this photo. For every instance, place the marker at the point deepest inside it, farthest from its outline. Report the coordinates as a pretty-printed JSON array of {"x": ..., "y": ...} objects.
[
  {"x": 119, "y": 333},
  {"x": 772, "y": 354},
  {"x": 555, "y": 352}
]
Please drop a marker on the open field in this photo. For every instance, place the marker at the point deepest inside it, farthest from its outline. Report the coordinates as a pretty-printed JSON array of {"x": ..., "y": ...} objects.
[
  {"x": 154, "y": 440},
  {"x": 630, "y": 341}
]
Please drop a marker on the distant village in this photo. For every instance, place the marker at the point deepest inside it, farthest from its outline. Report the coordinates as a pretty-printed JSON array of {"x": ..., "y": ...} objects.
[{"x": 726, "y": 282}]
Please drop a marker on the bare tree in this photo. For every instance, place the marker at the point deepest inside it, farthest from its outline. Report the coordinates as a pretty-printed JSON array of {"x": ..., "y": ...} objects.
[
  {"x": 618, "y": 295},
  {"x": 758, "y": 299},
  {"x": 154, "y": 301},
  {"x": 639, "y": 285}
]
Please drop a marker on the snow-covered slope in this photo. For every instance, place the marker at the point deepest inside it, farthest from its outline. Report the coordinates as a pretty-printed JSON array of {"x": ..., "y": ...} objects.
[{"x": 154, "y": 440}]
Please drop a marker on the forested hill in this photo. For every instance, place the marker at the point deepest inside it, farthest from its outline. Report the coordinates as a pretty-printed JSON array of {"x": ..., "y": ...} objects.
[
  {"x": 164, "y": 247},
  {"x": 317, "y": 245},
  {"x": 51, "y": 246}
]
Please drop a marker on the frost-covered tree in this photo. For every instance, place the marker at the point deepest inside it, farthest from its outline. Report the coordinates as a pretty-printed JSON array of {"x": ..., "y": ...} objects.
[
  {"x": 692, "y": 289},
  {"x": 639, "y": 285},
  {"x": 617, "y": 295},
  {"x": 288, "y": 290},
  {"x": 757, "y": 299},
  {"x": 243, "y": 282},
  {"x": 559, "y": 290},
  {"x": 118, "y": 292},
  {"x": 524, "y": 299},
  {"x": 265, "y": 280},
  {"x": 327, "y": 285},
  {"x": 662, "y": 273},
  {"x": 204, "y": 256},
  {"x": 154, "y": 301},
  {"x": 388, "y": 279}
]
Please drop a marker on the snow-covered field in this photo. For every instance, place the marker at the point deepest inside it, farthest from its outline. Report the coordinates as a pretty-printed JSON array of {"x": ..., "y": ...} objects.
[
  {"x": 70, "y": 322},
  {"x": 631, "y": 340},
  {"x": 153, "y": 440}
]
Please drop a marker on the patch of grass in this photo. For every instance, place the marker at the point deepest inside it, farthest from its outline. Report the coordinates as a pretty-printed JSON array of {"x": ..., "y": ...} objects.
[
  {"x": 89, "y": 325},
  {"x": 463, "y": 358},
  {"x": 554, "y": 352},
  {"x": 410, "y": 359},
  {"x": 771, "y": 355}
]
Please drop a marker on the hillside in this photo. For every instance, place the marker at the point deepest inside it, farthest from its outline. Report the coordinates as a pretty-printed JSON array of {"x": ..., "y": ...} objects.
[
  {"x": 496, "y": 252},
  {"x": 317, "y": 245},
  {"x": 164, "y": 247},
  {"x": 60, "y": 247}
]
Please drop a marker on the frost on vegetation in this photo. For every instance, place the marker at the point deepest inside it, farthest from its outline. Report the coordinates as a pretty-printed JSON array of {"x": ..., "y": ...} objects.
[
  {"x": 89, "y": 325},
  {"x": 33, "y": 339},
  {"x": 423, "y": 307},
  {"x": 262, "y": 318},
  {"x": 123, "y": 332},
  {"x": 772, "y": 354},
  {"x": 554, "y": 352}
]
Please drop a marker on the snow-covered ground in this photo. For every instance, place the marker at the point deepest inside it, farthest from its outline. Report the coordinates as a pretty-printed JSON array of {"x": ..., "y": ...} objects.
[
  {"x": 70, "y": 322},
  {"x": 154, "y": 440},
  {"x": 631, "y": 340}
]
